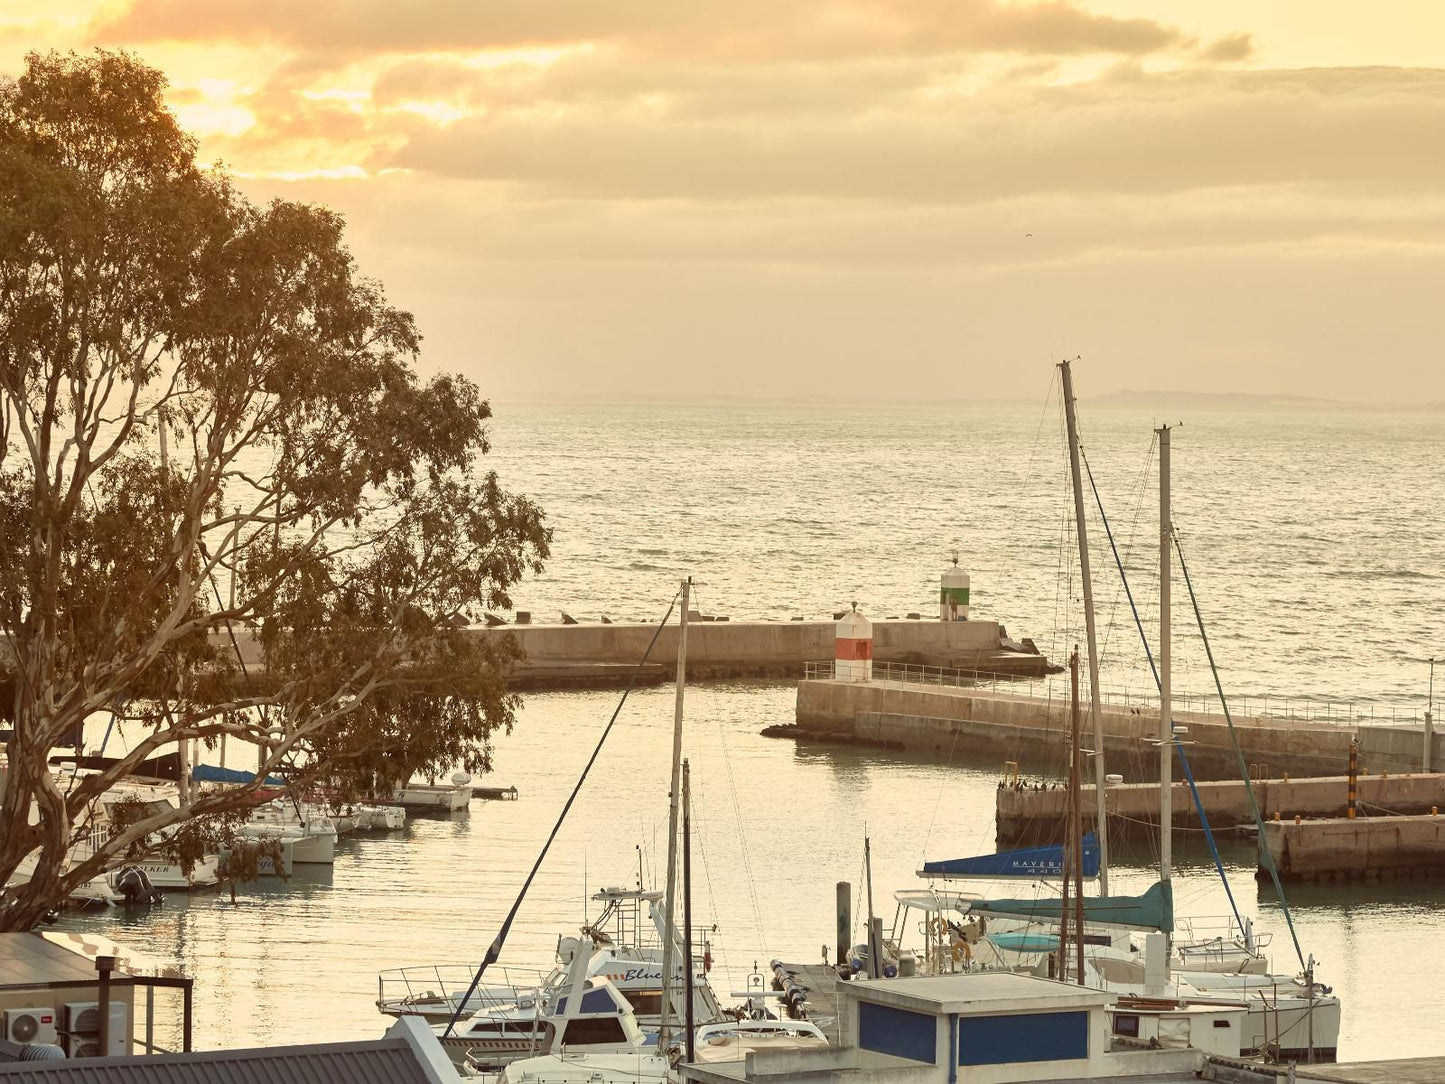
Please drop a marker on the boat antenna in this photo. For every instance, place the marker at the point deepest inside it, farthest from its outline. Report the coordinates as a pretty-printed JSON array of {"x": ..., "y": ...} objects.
[{"x": 494, "y": 950}]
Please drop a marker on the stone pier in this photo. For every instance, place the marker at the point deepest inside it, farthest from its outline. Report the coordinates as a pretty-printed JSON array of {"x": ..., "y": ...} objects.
[
  {"x": 1365, "y": 848},
  {"x": 973, "y": 724},
  {"x": 1027, "y": 816}
]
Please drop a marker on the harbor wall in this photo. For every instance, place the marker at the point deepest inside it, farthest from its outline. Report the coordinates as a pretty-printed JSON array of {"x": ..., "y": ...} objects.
[
  {"x": 976, "y": 722},
  {"x": 1027, "y": 815},
  {"x": 755, "y": 648},
  {"x": 594, "y": 654},
  {"x": 1367, "y": 848},
  {"x": 1399, "y": 748}
]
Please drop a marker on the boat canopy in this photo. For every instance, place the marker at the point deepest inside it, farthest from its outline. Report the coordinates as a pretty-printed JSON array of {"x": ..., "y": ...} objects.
[
  {"x": 209, "y": 773},
  {"x": 933, "y": 902},
  {"x": 1030, "y": 863},
  {"x": 1154, "y": 910}
]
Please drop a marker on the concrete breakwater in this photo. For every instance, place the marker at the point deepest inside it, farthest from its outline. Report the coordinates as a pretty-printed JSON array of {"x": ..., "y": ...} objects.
[
  {"x": 1360, "y": 848},
  {"x": 735, "y": 649},
  {"x": 976, "y": 723},
  {"x": 1028, "y": 815},
  {"x": 599, "y": 655}
]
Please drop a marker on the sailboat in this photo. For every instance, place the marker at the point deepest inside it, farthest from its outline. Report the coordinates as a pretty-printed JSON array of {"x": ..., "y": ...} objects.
[{"x": 1288, "y": 1016}]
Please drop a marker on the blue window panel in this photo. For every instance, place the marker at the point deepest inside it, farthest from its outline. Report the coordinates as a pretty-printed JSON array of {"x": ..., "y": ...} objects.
[
  {"x": 597, "y": 1001},
  {"x": 899, "y": 1032},
  {"x": 1004, "y": 1040}
]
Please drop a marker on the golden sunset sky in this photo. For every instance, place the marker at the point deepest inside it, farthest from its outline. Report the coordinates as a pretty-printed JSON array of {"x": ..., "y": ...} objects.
[{"x": 586, "y": 198}]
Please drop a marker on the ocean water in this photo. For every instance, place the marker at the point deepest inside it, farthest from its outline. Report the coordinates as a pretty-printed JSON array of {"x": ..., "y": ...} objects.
[
  {"x": 1311, "y": 540},
  {"x": 1316, "y": 542}
]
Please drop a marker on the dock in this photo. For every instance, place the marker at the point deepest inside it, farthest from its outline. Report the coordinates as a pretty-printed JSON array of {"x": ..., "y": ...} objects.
[
  {"x": 1360, "y": 848},
  {"x": 955, "y": 714},
  {"x": 824, "y": 1005},
  {"x": 1029, "y": 815}
]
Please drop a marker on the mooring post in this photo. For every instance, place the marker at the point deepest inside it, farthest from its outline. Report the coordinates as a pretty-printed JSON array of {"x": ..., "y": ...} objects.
[{"x": 1354, "y": 773}]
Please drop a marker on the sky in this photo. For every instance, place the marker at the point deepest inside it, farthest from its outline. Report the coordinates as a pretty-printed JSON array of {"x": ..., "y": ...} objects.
[{"x": 894, "y": 199}]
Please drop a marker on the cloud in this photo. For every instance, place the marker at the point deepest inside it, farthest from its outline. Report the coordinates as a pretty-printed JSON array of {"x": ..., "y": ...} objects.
[
  {"x": 739, "y": 30},
  {"x": 1368, "y": 128},
  {"x": 1229, "y": 49}
]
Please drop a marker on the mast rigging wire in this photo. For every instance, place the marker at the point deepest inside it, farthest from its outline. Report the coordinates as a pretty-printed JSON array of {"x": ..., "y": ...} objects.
[
  {"x": 494, "y": 950},
  {"x": 1183, "y": 755},
  {"x": 1264, "y": 854}
]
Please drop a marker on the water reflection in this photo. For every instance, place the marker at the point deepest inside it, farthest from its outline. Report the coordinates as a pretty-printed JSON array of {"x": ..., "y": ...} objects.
[{"x": 776, "y": 825}]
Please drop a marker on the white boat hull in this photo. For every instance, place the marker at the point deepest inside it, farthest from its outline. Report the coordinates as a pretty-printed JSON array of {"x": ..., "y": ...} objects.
[
  {"x": 446, "y": 799},
  {"x": 169, "y": 877}
]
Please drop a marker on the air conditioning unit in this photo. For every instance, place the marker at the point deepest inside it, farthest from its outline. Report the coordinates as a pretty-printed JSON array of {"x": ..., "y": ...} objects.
[
  {"x": 30, "y": 1025},
  {"x": 81, "y": 1033}
]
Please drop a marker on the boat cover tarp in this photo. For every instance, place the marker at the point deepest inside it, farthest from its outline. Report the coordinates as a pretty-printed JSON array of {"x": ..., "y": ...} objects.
[
  {"x": 1154, "y": 910},
  {"x": 1031, "y": 863},
  {"x": 165, "y": 766},
  {"x": 209, "y": 773}
]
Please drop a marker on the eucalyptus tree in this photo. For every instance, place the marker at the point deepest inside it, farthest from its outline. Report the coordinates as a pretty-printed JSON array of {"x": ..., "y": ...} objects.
[{"x": 230, "y": 508}]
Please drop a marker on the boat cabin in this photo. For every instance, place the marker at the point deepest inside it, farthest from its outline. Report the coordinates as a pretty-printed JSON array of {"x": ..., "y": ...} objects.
[{"x": 982, "y": 1028}]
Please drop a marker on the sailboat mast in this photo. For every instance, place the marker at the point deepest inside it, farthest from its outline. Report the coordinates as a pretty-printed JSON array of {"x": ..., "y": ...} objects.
[
  {"x": 875, "y": 966},
  {"x": 1076, "y": 826},
  {"x": 1071, "y": 809},
  {"x": 1081, "y": 529},
  {"x": 1166, "y": 721},
  {"x": 669, "y": 943},
  {"x": 689, "y": 1018}
]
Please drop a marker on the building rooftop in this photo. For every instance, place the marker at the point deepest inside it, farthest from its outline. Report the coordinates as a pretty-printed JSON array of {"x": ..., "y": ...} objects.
[
  {"x": 985, "y": 991},
  {"x": 407, "y": 1054},
  {"x": 28, "y": 960}
]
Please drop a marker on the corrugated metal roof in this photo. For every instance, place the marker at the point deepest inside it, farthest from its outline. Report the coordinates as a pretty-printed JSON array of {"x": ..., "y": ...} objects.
[{"x": 390, "y": 1060}]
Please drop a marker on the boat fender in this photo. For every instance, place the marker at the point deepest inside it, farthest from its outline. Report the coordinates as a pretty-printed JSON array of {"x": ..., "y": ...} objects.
[{"x": 707, "y": 961}]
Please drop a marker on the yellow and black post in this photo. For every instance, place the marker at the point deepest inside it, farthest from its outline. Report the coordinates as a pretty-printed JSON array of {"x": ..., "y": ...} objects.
[{"x": 1354, "y": 772}]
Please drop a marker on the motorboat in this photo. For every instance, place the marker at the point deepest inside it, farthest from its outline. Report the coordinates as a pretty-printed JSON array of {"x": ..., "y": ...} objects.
[
  {"x": 386, "y": 818},
  {"x": 308, "y": 836},
  {"x": 604, "y": 1023},
  {"x": 622, "y": 944},
  {"x": 735, "y": 1040}
]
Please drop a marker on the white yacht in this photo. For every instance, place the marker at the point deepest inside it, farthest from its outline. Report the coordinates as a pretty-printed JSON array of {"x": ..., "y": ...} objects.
[
  {"x": 307, "y": 835},
  {"x": 623, "y": 944}
]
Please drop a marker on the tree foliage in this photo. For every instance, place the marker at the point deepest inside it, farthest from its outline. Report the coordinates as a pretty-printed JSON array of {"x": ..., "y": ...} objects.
[{"x": 320, "y": 510}]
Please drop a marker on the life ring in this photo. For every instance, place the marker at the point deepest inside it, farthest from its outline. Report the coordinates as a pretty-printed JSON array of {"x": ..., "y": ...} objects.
[
  {"x": 937, "y": 925},
  {"x": 962, "y": 952}
]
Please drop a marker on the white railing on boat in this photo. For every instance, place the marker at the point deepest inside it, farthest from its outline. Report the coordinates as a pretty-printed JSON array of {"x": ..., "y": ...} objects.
[
  {"x": 1312, "y": 711},
  {"x": 435, "y": 990}
]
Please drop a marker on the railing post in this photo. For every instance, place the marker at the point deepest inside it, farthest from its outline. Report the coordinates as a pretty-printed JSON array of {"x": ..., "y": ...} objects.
[{"x": 1354, "y": 768}]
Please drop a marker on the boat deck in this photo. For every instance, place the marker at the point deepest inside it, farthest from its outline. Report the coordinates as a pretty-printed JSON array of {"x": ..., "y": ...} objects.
[
  {"x": 823, "y": 1002},
  {"x": 1393, "y": 1071}
]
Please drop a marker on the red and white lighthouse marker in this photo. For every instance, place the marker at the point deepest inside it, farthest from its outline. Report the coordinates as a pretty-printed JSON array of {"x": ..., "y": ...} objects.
[{"x": 854, "y": 642}]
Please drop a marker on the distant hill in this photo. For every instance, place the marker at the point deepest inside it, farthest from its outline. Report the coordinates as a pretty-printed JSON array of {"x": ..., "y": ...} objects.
[{"x": 1242, "y": 401}]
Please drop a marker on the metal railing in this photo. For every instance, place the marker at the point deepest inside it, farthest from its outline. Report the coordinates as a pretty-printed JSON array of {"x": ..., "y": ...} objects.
[
  {"x": 1244, "y": 709},
  {"x": 435, "y": 990}
]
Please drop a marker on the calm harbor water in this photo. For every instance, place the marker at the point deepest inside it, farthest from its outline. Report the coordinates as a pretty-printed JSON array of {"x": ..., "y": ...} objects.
[{"x": 1312, "y": 538}]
